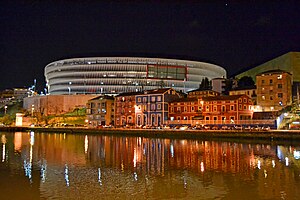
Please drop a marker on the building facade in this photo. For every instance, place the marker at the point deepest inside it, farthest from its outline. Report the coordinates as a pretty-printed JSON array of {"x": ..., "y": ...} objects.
[
  {"x": 125, "y": 106},
  {"x": 152, "y": 108},
  {"x": 226, "y": 109},
  {"x": 115, "y": 75},
  {"x": 274, "y": 90},
  {"x": 55, "y": 104},
  {"x": 250, "y": 92},
  {"x": 100, "y": 111},
  {"x": 185, "y": 109},
  {"x": 211, "y": 110},
  {"x": 219, "y": 84}
]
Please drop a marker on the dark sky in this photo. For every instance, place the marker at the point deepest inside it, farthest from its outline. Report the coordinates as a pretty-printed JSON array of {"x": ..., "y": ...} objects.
[{"x": 233, "y": 34}]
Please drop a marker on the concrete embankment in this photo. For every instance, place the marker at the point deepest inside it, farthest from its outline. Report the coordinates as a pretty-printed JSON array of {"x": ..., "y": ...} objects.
[{"x": 271, "y": 135}]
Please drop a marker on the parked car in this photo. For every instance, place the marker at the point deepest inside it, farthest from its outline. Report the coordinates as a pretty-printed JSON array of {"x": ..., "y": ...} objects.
[
  {"x": 238, "y": 127},
  {"x": 183, "y": 128}
]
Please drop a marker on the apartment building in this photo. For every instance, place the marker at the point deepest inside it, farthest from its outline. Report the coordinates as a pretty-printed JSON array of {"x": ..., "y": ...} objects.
[
  {"x": 100, "y": 111},
  {"x": 125, "y": 105},
  {"x": 274, "y": 90},
  {"x": 152, "y": 108},
  {"x": 226, "y": 109}
]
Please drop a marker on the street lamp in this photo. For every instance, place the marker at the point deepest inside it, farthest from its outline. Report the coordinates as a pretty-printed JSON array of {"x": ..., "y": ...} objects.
[
  {"x": 5, "y": 109},
  {"x": 69, "y": 88},
  {"x": 32, "y": 110}
]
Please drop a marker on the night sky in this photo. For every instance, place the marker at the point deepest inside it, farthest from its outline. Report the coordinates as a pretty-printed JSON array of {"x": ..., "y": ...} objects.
[{"x": 236, "y": 36}]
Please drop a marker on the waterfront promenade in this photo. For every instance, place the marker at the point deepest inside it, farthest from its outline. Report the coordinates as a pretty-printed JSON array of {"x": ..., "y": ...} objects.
[{"x": 270, "y": 135}]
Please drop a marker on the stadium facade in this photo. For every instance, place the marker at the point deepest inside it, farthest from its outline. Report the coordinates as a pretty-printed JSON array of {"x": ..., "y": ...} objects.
[{"x": 114, "y": 75}]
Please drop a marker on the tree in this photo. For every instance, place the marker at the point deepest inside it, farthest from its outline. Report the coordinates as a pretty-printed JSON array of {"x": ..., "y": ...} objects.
[
  {"x": 6, "y": 120},
  {"x": 246, "y": 82},
  {"x": 205, "y": 84}
]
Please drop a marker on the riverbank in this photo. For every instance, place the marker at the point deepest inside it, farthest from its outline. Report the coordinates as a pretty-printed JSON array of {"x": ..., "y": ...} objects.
[{"x": 271, "y": 135}]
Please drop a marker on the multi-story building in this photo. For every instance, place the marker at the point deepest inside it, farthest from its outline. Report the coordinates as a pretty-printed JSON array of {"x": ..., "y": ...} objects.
[
  {"x": 199, "y": 93},
  {"x": 100, "y": 111},
  {"x": 219, "y": 84},
  {"x": 226, "y": 109},
  {"x": 125, "y": 109},
  {"x": 274, "y": 90},
  {"x": 185, "y": 109},
  {"x": 250, "y": 92},
  {"x": 115, "y": 75},
  {"x": 152, "y": 106},
  {"x": 289, "y": 62},
  {"x": 20, "y": 93}
]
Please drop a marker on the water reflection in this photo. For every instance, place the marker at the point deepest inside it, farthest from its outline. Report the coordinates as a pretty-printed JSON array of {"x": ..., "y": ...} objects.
[{"x": 64, "y": 164}]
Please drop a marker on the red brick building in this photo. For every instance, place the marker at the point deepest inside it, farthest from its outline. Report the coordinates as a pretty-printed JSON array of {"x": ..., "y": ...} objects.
[
  {"x": 185, "y": 109},
  {"x": 226, "y": 109},
  {"x": 125, "y": 109},
  {"x": 212, "y": 110}
]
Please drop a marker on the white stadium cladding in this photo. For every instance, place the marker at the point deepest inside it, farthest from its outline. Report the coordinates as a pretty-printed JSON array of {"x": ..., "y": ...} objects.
[{"x": 114, "y": 75}]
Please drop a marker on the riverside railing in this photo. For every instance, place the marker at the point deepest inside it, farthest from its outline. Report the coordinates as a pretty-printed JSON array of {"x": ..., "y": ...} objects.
[{"x": 269, "y": 122}]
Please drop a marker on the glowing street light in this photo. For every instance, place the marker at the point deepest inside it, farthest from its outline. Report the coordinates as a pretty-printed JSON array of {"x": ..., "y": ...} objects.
[
  {"x": 69, "y": 88},
  {"x": 5, "y": 109},
  {"x": 32, "y": 110}
]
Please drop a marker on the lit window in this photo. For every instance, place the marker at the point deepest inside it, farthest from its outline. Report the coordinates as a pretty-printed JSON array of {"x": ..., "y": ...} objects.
[
  {"x": 158, "y": 106},
  {"x": 139, "y": 99},
  {"x": 279, "y": 76}
]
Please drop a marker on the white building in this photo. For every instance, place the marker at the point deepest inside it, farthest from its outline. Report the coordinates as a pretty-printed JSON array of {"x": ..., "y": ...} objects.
[{"x": 114, "y": 75}]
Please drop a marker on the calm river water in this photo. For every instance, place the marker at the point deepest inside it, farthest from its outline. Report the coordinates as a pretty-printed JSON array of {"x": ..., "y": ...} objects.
[{"x": 68, "y": 166}]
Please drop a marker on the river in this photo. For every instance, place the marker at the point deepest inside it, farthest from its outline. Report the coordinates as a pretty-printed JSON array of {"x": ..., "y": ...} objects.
[{"x": 79, "y": 166}]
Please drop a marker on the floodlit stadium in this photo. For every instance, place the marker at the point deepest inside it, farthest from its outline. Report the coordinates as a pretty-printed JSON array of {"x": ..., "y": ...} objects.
[{"x": 114, "y": 75}]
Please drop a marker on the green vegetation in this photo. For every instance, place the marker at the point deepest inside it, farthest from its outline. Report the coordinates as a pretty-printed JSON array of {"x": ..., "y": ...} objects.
[
  {"x": 8, "y": 114},
  {"x": 75, "y": 117}
]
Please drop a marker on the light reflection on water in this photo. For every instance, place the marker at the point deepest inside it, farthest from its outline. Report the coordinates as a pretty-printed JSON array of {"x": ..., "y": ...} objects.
[{"x": 66, "y": 166}]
